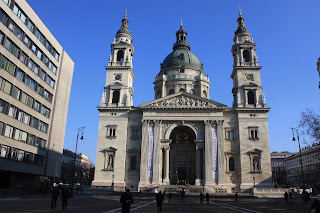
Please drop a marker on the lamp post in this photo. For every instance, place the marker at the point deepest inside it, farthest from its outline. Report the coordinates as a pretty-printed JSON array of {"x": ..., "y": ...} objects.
[
  {"x": 80, "y": 131},
  {"x": 294, "y": 129}
]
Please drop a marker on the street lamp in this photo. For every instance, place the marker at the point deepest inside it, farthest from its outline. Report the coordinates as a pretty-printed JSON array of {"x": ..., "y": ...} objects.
[
  {"x": 293, "y": 139},
  {"x": 80, "y": 131}
]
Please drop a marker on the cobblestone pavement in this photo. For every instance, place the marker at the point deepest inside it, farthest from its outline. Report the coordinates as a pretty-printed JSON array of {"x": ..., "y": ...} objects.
[{"x": 110, "y": 203}]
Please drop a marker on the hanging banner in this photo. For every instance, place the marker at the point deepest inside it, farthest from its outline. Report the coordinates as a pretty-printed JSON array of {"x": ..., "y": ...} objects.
[
  {"x": 214, "y": 152},
  {"x": 150, "y": 153}
]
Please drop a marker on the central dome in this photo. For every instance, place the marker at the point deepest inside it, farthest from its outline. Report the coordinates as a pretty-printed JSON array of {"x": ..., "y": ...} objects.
[{"x": 182, "y": 57}]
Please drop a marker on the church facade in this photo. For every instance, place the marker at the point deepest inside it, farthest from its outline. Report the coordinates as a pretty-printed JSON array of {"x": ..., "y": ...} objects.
[{"x": 182, "y": 136}]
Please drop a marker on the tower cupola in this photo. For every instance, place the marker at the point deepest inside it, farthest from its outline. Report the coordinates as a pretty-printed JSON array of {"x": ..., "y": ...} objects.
[{"x": 181, "y": 39}]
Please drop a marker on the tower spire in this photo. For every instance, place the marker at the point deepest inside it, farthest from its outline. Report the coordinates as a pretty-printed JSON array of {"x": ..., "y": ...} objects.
[
  {"x": 240, "y": 12},
  {"x": 181, "y": 23}
]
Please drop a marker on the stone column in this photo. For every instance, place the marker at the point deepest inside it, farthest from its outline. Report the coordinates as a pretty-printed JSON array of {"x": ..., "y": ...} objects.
[
  {"x": 166, "y": 165},
  {"x": 156, "y": 152},
  {"x": 208, "y": 153},
  {"x": 198, "y": 165},
  {"x": 144, "y": 153},
  {"x": 221, "y": 167}
]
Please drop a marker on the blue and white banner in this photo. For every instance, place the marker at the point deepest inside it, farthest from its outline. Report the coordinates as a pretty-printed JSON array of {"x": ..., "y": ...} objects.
[
  {"x": 150, "y": 153},
  {"x": 214, "y": 152}
]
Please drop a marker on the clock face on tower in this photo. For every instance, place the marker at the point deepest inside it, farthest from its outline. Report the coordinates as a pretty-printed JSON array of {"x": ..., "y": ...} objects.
[{"x": 117, "y": 77}]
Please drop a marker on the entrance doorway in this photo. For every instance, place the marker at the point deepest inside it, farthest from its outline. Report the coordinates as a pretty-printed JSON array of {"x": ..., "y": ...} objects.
[{"x": 182, "y": 156}]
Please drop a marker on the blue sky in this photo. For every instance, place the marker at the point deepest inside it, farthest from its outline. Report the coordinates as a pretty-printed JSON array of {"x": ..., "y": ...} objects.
[{"x": 286, "y": 34}]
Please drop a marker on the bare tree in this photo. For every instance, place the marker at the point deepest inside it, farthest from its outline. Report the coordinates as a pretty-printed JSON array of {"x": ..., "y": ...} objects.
[{"x": 309, "y": 124}]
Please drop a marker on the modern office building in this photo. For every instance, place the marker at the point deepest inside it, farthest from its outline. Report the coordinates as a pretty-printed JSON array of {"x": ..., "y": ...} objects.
[
  {"x": 182, "y": 136},
  {"x": 35, "y": 83}
]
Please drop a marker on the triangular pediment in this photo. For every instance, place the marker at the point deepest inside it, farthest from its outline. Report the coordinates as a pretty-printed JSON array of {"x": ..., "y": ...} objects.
[{"x": 182, "y": 100}]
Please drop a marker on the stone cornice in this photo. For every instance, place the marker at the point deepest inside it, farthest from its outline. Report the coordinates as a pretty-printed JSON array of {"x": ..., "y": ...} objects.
[
  {"x": 257, "y": 110},
  {"x": 235, "y": 68},
  {"x": 114, "y": 109}
]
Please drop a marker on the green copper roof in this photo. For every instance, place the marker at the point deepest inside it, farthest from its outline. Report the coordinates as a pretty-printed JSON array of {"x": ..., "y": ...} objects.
[{"x": 182, "y": 57}]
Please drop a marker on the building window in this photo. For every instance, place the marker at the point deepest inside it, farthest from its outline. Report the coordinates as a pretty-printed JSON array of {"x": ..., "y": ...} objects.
[
  {"x": 246, "y": 56},
  {"x": 230, "y": 134},
  {"x": 111, "y": 132},
  {"x": 171, "y": 92},
  {"x": 3, "y": 107},
  {"x": 120, "y": 56},
  {"x": 192, "y": 92},
  {"x": 8, "y": 131},
  {"x": 135, "y": 133},
  {"x": 7, "y": 65},
  {"x": 133, "y": 163},
  {"x": 231, "y": 164},
  {"x": 204, "y": 93},
  {"x": 182, "y": 90},
  {"x": 115, "y": 96},
  {"x": 250, "y": 96},
  {"x": 253, "y": 133},
  {"x": 19, "y": 13}
]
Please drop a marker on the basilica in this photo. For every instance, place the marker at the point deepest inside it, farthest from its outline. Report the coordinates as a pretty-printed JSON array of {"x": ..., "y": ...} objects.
[{"x": 183, "y": 137}]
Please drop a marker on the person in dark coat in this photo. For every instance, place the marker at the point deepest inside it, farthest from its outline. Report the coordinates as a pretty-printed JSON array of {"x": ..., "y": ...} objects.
[
  {"x": 65, "y": 197},
  {"x": 316, "y": 205},
  {"x": 54, "y": 195},
  {"x": 126, "y": 200},
  {"x": 207, "y": 198},
  {"x": 236, "y": 196},
  {"x": 159, "y": 199},
  {"x": 286, "y": 196},
  {"x": 290, "y": 196},
  {"x": 169, "y": 196},
  {"x": 201, "y": 198}
]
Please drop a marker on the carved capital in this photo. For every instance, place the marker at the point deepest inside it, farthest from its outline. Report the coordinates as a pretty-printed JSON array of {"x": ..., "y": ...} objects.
[
  {"x": 151, "y": 123},
  {"x": 220, "y": 122},
  {"x": 157, "y": 122},
  {"x": 208, "y": 122}
]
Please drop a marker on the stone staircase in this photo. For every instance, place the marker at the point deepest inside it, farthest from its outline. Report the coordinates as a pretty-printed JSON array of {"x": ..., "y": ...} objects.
[{"x": 191, "y": 190}]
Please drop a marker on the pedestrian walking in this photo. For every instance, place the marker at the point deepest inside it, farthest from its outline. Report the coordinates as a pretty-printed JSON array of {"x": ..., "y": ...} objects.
[
  {"x": 290, "y": 196},
  {"x": 207, "y": 198},
  {"x": 315, "y": 207},
  {"x": 201, "y": 198},
  {"x": 236, "y": 196},
  {"x": 65, "y": 197},
  {"x": 81, "y": 189},
  {"x": 54, "y": 195},
  {"x": 140, "y": 193},
  {"x": 126, "y": 200},
  {"x": 159, "y": 199},
  {"x": 286, "y": 196}
]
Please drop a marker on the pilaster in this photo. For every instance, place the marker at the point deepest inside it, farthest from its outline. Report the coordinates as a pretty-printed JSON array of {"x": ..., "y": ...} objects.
[
  {"x": 156, "y": 152},
  {"x": 221, "y": 166},
  {"x": 208, "y": 153}
]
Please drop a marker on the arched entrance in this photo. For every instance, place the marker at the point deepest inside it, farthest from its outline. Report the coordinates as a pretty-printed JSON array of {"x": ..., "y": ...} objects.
[{"x": 182, "y": 155}]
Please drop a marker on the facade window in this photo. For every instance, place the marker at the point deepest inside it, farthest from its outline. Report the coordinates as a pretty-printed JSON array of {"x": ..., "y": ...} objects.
[
  {"x": 120, "y": 56},
  {"x": 8, "y": 2},
  {"x": 171, "y": 92},
  {"x": 15, "y": 92},
  {"x": 192, "y": 92},
  {"x": 47, "y": 95},
  {"x": 30, "y": 83},
  {"x": 7, "y": 65},
  {"x": 45, "y": 60},
  {"x": 1, "y": 34},
  {"x": 250, "y": 96},
  {"x": 23, "y": 57},
  {"x": 253, "y": 133},
  {"x": 204, "y": 93},
  {"x": 133, "y": 163},
  {"x": 50, "y": 81},
  {"x": 19, "y": 13},
  {"x": 34, "y": 122},
  {"x": 30, "y": 26},
  {"x": 33, "y": 66},
  {"x": 135, "y": 133},
  {"x": 39, "y": 36},
  {"x": 31, "y": 139},
  {"x": 181, "y": 70},
  {"x": 8, "y": 131},
  {"x": 42, "y": 74},
  {"x": 45, "y": 111},
  {"x": 3, "y": 17},
  {"x": 6, "y": 86},
  {"x": 111, "y": 132},
  {"x": 115, "y": 96},
  {"x": 3, "y": 107},
  {"x": 36, "y": 106},
  {"x": 182, "y": 90},
  {"x": 4, "y": 151},
  {"x": 15, "y": 29},
  {"x": 27, "y": 41},
  {"x": 246, "y": 56},
  {"x": 12, "y": 111},
  {"x": 26, "y": 99},
  {"x": 40, "y": 90},
  {"x": 231, "y": 164},
  {"x": 230, "y": 134},
  {"x": 52, "y": 67},
  {"x": 43, "y": 127}
]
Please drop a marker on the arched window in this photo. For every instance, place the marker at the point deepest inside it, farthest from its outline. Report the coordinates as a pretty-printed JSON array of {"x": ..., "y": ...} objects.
[
  {"x": 246, "y": 56},
  {"x": 231, "y": 164},
  {"x": 120, "y": 56},
  {"x": 252, "y": 133},
  {"x": 133, "y": 163},
  {"x": 171, "y": 92},
  {"x": 115, "y": 96},
  {"x": 250, "y": 97},
  {"x": 255, "y": 133},
  {"x": 182, "y": 90},
  {"x": 204, "y": 93},
  {"x": 192, "y": 92}
]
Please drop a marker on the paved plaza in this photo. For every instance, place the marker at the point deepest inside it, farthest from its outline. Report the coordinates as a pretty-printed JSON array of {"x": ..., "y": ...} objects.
[{"x": 110, "y": 203}]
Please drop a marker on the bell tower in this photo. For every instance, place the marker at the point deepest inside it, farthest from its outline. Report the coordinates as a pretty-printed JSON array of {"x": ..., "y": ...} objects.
[
  {"x": 118, "y": 90},
  {"x": 247, "y": 89}
]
